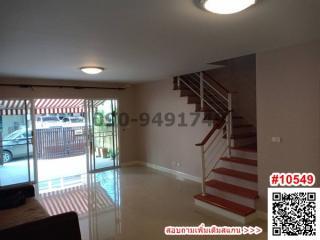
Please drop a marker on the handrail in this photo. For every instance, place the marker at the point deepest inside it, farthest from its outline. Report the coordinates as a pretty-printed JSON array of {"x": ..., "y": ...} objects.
[
  {"x": 215, "y": 81},
  {"x": 200, "y": 97},
  {"x": 213, "y": 88},
  {"x": 214, "y": 139},
  {"x": 221, "y": 98},
  {"x": 212, "y": 98},
  {"x": 208, "y": 136}
]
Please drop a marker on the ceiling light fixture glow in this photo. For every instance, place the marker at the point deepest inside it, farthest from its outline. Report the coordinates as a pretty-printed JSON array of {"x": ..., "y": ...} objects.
[
  {"x": 91, "y": 70},
  {"x": 226, "y": 6}
]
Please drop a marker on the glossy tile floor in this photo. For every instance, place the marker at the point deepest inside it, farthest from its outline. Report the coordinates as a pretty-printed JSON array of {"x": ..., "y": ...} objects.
[
  {"x": 134, "y": 203},
  {"x": 16, "y": 172}
]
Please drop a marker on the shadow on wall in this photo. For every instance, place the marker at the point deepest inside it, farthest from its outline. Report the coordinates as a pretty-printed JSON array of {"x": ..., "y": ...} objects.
[{"x": 239, "y": 76}]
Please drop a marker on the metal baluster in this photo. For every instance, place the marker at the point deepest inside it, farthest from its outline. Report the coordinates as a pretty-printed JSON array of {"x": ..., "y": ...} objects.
[
  {"x": 201, "y": 90},
  {"x": 203, "y": 186},
  {"x": 229, "y": 123}
]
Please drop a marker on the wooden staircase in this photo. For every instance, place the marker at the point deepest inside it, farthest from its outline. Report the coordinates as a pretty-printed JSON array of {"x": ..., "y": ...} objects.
[{"x": 231, "y": 186}]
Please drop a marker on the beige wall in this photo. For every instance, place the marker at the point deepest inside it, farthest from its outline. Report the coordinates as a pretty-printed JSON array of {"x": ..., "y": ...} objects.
[
  {"x": 288, "y": 106},
  {"x": 126, "y": 99},
  {"x": 165, "y": 146}
]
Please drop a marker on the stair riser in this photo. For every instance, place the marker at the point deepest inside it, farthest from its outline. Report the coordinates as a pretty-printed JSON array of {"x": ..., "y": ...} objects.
[
  {"x": 243, "y": 154},
  {"x": 224, "y": 213},
  {"x": 243, "y": 141},
  {"x": 238, "y": 166},
  {"x": 186, "y": 93},
  {"x": 243, "y": 130},
  {"x": 193, "y": 100},
  {"x": 183, "y": 87},
  {"x": 235, "y": 181},
  {"x": 232, "y": 197}
]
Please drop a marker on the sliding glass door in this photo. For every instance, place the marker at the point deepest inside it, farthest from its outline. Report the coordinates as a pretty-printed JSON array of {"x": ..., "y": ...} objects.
[
  {"x": 72, "y": 137},
  {"x": 16, "y": 150},
  {"x": 103, "y": 134}
]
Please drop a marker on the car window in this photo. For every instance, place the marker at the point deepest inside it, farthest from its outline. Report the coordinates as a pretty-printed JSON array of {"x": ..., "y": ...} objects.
[
  {"x": 13, "y": 135},
  {"x": 22, "y": 136},
  {"x": 76, "y": 120},
  {"x": 50, "y": 119}
]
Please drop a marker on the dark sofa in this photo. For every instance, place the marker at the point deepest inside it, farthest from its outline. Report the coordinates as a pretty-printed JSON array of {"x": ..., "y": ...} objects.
[{"x": 31, "y": 221}]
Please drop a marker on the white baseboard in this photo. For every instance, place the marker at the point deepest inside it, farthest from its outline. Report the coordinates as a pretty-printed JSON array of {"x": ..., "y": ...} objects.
[
  {"x": 132, "y": 163},
  {"x": 179, "y": 175}
]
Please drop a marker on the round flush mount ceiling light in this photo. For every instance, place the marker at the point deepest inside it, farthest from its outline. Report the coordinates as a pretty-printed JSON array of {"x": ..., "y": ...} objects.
[
  {"x": 92, "y": 70},
  {"x": 226, "y": 6}
]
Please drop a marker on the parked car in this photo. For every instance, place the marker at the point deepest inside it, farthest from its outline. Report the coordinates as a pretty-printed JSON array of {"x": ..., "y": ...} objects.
[
  {"x": 73, "y": 122},
  {"x": 48, "y": 122},
  {"x": 14, "y": 145}
]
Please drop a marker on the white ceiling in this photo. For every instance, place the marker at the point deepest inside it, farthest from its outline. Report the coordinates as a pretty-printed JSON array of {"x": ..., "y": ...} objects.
[{"x": 141, "y": 40}]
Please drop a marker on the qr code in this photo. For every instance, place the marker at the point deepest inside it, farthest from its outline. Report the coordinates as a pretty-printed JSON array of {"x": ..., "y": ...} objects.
[{"x": 293, "y": 213}]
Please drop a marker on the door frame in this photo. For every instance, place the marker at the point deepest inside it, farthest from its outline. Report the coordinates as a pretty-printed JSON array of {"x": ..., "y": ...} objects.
[{"x": 91, "y": 161}]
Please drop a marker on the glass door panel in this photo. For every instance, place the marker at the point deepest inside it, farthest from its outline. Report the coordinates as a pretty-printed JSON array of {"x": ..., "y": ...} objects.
[
  {"x": 102, "y": 138},
  {"x": 103, "y": 134},
  {"x": 61, "y": 139},
  {"x": 16, "y": 150},
  {"x": 89, "y": 135}
]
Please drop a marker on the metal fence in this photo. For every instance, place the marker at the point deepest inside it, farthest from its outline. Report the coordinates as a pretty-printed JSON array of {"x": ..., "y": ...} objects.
[{"x": 60, "y": 142}]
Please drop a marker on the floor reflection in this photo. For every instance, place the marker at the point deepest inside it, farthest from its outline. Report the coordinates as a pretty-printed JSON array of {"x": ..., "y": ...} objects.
[
  {"x": 150, "y": 201},
  {"x": 95, "y": 197}
]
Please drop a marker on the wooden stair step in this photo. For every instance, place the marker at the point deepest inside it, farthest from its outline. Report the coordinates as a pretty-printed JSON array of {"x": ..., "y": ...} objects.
[
  {"x": 226, "y": 204},
  {"x": 242, "y": 135},
  {"x": 226, "y": 187},
  {"x": 237, "y": 174},
  {"x": 240, "y": 160},
  {"x": 248, "y": 148}
]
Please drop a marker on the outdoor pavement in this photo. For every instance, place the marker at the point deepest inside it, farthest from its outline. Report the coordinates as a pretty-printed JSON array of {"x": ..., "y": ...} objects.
[{"x": 17, "y": 171}]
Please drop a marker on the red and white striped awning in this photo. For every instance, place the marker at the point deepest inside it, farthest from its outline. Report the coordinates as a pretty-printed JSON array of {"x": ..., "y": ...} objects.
[
  {"x": 14, "y": 107},
  {"x": 45, "y": 106}
]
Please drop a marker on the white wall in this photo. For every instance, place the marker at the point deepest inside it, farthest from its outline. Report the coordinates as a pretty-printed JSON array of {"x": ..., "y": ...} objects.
[{"x": 288, "y": 105}]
